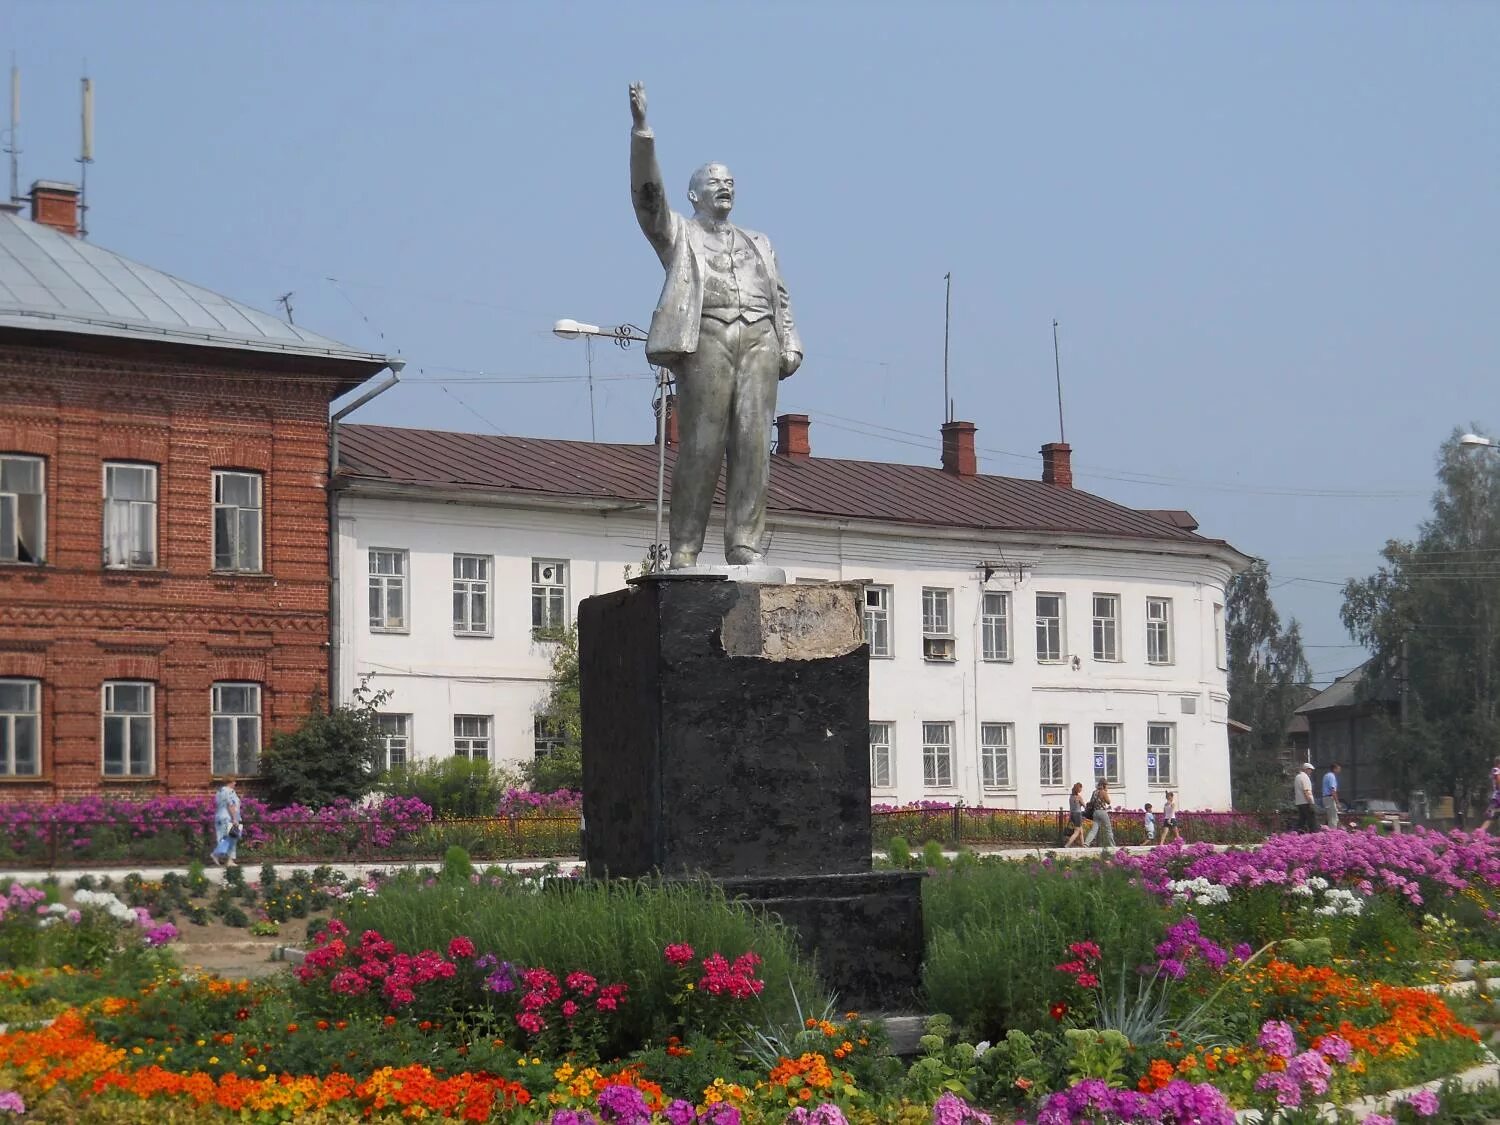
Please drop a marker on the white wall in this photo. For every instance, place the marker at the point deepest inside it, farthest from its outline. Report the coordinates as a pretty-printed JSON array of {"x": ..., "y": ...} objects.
[{"x": 434, "y": 675}]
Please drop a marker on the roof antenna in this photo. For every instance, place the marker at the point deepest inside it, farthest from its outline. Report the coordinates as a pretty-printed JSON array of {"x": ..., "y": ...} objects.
[
  {"x": 1057, "y": 367},
  {"x": 285, "y": 301},
  {"x": 86, "y": 154},
  {"x": 14, "y": 145},
  {"x": 947, "y": 312}
]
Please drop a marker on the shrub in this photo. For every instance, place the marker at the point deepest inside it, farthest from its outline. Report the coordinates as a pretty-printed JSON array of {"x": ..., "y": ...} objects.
[
  {"x": 330, "y": 757},
  {"x": 452, "y": 786},
  {"x": 456, "y": 865}
]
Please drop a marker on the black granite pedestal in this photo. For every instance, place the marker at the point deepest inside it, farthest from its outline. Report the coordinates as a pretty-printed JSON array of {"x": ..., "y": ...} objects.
[{"x": 726, "y": 733}]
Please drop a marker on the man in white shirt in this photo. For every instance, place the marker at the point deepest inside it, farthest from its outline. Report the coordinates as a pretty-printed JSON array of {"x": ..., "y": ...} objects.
[{"x": 1302, "y": 797}]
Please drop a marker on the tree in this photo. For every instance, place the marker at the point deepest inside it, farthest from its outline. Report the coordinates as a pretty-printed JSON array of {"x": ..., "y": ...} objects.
[
  {"x": 561, "y": 715},
  {"x": 333, "y": 755},
  {"x": 1268, "y": 680},
  {"x": 1431, "y": 616}
]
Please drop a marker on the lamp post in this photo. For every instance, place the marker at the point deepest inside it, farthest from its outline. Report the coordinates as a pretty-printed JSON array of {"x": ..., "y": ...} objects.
[
  {"x": 1477, "y": 440},
  {"x": 624, "y": 335}
]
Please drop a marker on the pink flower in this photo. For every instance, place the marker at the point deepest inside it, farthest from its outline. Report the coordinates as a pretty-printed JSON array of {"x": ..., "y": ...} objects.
[
  {"x": 569, "y": 1009},
  {"x": 678, "y": 954},
  {"x": 1423, "y": 1104},
  {"x": 530, "y": 1021},
  {"x": 460, "y": 947}
]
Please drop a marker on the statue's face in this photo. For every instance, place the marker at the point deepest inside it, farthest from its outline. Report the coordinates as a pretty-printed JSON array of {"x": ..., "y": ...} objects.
[{"x": 712, "y": 191}]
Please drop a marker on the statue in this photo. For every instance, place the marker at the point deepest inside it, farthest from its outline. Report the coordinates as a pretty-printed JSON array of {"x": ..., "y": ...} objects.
[{"x": 724, "y": 327}]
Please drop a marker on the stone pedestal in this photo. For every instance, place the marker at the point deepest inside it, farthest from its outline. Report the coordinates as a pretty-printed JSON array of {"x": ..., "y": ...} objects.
[{"x": 726, "y": 732}]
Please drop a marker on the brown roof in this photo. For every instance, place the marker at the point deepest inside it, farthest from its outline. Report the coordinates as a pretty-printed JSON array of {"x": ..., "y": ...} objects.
[{"x": 814, "y": 486}]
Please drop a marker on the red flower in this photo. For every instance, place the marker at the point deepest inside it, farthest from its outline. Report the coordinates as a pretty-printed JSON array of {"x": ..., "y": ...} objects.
[
  {"x": 679, "y": 954},
  {"x": 460, "y": 947},
  {"x": 1088, "y": 980},
  {"x": 1058, "y": 1010}
]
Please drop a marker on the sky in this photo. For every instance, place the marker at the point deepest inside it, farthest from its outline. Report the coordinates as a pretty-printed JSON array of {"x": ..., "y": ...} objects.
[{"x": 1270, "y": 233}]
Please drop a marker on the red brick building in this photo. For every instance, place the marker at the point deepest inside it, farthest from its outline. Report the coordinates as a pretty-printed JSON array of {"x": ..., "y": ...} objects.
[{"x": 164, "y": 548}]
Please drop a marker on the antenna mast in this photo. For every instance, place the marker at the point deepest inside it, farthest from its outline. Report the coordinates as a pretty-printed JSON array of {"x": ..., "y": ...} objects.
[
  {"x": 14, "y": 147},
  {"x": 85, "y": 155},
  {"x": 947, "y": 316},
  {"x": 1057, "y": 367}
]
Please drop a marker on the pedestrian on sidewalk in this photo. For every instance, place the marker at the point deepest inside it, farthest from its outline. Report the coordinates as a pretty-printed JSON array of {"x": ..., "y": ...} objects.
[
  {"x": 1331, "y": 795},
  {"x": 1101, "y": 819},
  {"x": 1169, "y": 828},
  {"x": 1302, "y": 797},
  {"x": 227, "y": 824},
  {"x": 1494, "y": 808},
  {"x": 1075, "y": 815},
  {"x": 1150, "y": 825}
]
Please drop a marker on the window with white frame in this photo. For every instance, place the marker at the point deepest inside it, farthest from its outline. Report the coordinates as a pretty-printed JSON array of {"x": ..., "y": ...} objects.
[
  {"x": 236, "y": 730},
  {"x": 1106, "y": 627},
  {"x": 937, "y": 755},
  {"x": 23, "y": 509},
  {"x": 878, "y": 620},
  {"x": 994, "y": 756},
  {"x": 1053, "y": 747},
  {"x": 129, "y": 729},
  {"x": 471, "y": 595},
  {"x": 471, "y": 737},
  {"x": 1158, "y": 630},
  {"x": 388, "y": 590},
  {"x": 882, "y": 755},
  {"x": 395, "y": 740},
  {"x": 1161, "y": 754},
  {"x": 937, "y": 623},
  {"x": 1107, "y": 753},
  {"x": 237, "y": 521},
  {"x": 549, "y": 598},
  {"x": 1049, "y": 627},
  {"x": 1221, "y": 658},
  {"x": 546, "y": 737},
  {"x": 994, "y": 621},
  {"x": 129, "y": 516},
  {"x": 20, "y": 728}
]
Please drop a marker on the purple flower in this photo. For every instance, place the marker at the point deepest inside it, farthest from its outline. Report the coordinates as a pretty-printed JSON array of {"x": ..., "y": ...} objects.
[
  {"x": 1278, "y": 1038},
  {"x": 502, "y": 979},
  {"x": 679, "y": 1112},
  {"x": 1378, "y": 1119},
  {"x": 1336, "y": 1048},
  {"x": 1310, "y": 1069},
  {"x": 1424, "y": 1103},
  {"x": 1243, "y": 952},
  {"x": 623, "y": 1105},
  {"x": 11, "y": 1102},
  {"x": 573, "y": 1117},
  {"x": 825, "y": 1114},
  {"x": 950, "y": 1109},
  {"x": 160, "y": 935},
  {"x": 1287, "y": 1089}
]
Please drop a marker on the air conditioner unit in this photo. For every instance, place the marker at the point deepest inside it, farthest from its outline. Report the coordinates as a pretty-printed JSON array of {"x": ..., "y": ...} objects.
[{"x": 937, "y": 648}]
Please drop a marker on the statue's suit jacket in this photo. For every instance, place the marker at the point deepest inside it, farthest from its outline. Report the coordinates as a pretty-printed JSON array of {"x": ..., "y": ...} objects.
[{"x": 679, "y": 245}]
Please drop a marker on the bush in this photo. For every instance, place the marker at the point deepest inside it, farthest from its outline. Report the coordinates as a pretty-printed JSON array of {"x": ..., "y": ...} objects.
[
  {"x": 452, "y": 787},
  {"x": 332, "y": 756}
]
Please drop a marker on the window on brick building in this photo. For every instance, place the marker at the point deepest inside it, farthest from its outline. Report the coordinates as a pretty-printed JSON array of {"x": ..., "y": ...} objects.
[
  {"x": 236, "y": 729},
  {"x": 388, "y": 591},
  {"x": 129, "y": 729},
  {"x": 395, "y": 740},
  {"x": 23, "y": 509},
  {"x": 549, "y": 598},
  {"x": 129, "y": 516},
  {"x": 471, "y": 737},
  {"x": 471, "y": 595},
  {"x": 237, "y": 521},
  {"x": 20, "y": 728}
]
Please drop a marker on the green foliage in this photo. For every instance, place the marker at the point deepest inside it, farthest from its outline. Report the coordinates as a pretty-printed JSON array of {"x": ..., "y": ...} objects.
[
  {"x": 932, "y": 855},
  {"x": 995, "y": 930},
  {"x": 562, "y": 714},
  {"x": 333, "y": 755},
  {"x": 1096, "y": 1054},
  {"x": 456, "y": 866},
  {"x": 1269, "y": 679},
  {"x": 452, "y": 786},
  {"x": 899, "y": 852},
  {"x": 1431, "y": 616}
]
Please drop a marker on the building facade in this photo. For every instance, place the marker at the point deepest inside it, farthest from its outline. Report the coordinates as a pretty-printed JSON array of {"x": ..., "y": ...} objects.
[
  {"x": 1023, "y": 635},
  {"x": 164, "y": 550}
]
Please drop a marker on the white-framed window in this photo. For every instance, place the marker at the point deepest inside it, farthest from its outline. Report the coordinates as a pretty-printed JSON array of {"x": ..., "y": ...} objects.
[
  {"x": 1161, "y": 755},
  {"x": 994, "y": 756},
  {"x": 937, "y": 755},
  {"x": 1049, "y": 627},
  {"x": 549, "y": 598},
  {"x": 546, "y": 737},
  {"x": 23, "y": 509},
  {"x": 388, "y": 590},
  {"x": 1052, "y": 742},
  {"x": 1106, "y": 627},
  {"x": 882, "y": 755},
  {"x": 395, "y": 740},
  {"x": 20, "y": 728},
  {"x": 1221, "y": 657},
  {"x": 237, "y": 521},
  {"x": 994, "y": 622},
  {"x": 471, "y": 737},
  {"x": 471, "y": 595},
  {"x": 129, "y": 728},
  {"x": 878, "y": 621},
  {"x": 1107, "y": 753},
  {"x": 937, "y": 623},
  {"x": 129, "y": 516},
  {"x": 236, "y": 730},
  {"x": 1158, "y": 630}
]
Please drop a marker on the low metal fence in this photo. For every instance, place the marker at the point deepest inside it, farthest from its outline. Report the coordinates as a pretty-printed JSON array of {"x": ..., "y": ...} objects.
[{"x": 1048, "y": 828}]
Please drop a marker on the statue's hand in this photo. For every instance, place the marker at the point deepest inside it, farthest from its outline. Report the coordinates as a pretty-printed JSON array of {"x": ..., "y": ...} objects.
[
  {"x": 790, "y": 361},
  {"x": 638, "y": 104}
]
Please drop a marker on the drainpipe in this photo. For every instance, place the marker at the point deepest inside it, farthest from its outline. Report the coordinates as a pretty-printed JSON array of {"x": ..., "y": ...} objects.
[{"x": 334, "y": 597}]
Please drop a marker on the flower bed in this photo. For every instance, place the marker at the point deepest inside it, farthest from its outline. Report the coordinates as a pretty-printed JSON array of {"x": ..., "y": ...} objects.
[{"x": 922, "y": 821}]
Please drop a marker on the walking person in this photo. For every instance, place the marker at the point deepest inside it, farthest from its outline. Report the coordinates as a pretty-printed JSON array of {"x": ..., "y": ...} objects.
[
  {"x": 1149, "y": 822},
  {"x": 1331, "y": 795},
  {"x": 1101, "y": 818},
  {"x": 1494, "y": 808},
  {"x": 1075, "y": 815},
  {"x": 227, "y": 824},
  {"x": 1302, "y": 798},
  {"x": 1170, "y": 830}
]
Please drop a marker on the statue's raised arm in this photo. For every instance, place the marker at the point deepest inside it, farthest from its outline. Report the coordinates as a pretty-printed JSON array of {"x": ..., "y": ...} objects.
[{"x": 647, "y": 193}]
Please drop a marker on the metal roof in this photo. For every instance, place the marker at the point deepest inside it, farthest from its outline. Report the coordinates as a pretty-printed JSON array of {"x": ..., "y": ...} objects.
[
  {"x": 815, "y": 486},
  {"x": 52, "y": 282},
  {"x": 1349, "y": 691}
]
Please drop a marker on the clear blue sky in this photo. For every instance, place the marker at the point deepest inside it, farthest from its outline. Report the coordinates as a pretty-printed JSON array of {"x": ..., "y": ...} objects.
[{"x": 1271, "y": 232}]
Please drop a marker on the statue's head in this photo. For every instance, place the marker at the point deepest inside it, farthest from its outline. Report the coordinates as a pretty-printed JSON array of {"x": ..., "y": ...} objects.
[{"x": 711, "y": 191}]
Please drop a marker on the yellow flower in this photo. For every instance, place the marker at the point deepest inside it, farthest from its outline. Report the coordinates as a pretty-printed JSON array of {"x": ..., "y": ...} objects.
[{"x": 212, "y": 1059}]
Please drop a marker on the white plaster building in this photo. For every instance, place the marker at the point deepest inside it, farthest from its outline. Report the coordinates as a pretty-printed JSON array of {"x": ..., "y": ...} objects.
[{"x": 1024, "y": 634}]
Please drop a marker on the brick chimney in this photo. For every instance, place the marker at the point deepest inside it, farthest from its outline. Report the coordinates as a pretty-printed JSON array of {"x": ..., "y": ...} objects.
[
  {"x": 958, "y": 449},
  {"x": 791, "y": 436},
  {"x": 1057, "y": 464},
  {"x": 55, "y": 205},
  {"x": 671, "y": 401}
]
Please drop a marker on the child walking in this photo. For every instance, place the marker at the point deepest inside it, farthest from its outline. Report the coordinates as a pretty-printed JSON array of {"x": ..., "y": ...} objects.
[
  {"x": 1169, "y": 829},
  {"x": 1075, "y": 815},
  {"x": 1150, "y": 826}
]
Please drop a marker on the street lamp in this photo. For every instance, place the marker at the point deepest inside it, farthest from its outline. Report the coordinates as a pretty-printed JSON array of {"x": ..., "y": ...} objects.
[
  {"x": 1482, "y": 442},
  {"x": 624, "y": 335}
]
